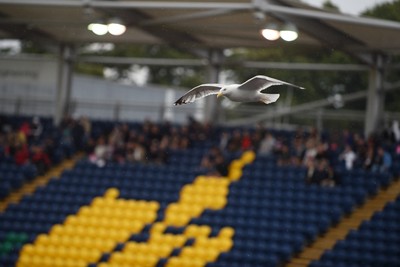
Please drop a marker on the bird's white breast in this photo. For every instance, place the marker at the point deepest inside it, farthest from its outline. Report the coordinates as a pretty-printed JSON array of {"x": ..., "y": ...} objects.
[{"x": 239, "y": 95}]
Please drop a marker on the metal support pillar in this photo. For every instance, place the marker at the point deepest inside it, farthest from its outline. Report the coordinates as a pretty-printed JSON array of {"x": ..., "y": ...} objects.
[
  {"x": 64, "y": 83},
  {"x": 212, "y": 105},
  {"x": 375, "y": 97}
]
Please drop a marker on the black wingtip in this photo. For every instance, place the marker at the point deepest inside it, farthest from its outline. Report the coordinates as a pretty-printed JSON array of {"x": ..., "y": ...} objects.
[{"x": 178, "y": 102}]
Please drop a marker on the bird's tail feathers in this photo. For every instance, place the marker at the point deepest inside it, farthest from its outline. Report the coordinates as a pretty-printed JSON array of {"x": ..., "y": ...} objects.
[{"x": 269, "y": 98}]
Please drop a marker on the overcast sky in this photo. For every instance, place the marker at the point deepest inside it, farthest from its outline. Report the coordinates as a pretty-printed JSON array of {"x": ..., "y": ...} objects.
[{"x": 354, "y": 7}]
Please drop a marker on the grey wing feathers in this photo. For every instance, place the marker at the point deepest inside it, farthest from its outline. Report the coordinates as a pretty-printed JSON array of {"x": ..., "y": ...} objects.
[
  {"x": 261, "y": 82},
  {"x": 199, "y": 92}
]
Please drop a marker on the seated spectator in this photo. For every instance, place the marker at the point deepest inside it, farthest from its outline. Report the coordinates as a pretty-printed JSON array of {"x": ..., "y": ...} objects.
[
  {"x": 369, "y": 157},
  {"x": 208, "y": 159},
  {"x": 298, "y": 149},
  {"x": 66, "y": 141},
  {"x": 100, "y": 153},
  {"x": 77, "y": 134},
  {"x": 24, "y": 131},
  {"x": 221, "y": 166},
  {"x": 348, "y": 156},
  {"x": 135, "y": 152},
  {"x": 21, "y": 154},
  {"x": 214, "y": 163},
  {"x": 360, "y": 149},
  {"x": 36, "y": 128},
  {"x": 267, "y": 145},
  {"x": 246, "y": 142},
  {"x": 284, "y": 157},
  {"x": 156, "y": 153},
  {"x": 322, "y": 151},
  {"x": 119, "y": 153},
  {"x": 310, "y": 151},
  {"x": 235, "y": 142},
  {"x": 224, "y": 139},
  {"x": 40, "y": 159},
  {"x": 319, "y": 172},
  {"x": 383, "y": 161}
]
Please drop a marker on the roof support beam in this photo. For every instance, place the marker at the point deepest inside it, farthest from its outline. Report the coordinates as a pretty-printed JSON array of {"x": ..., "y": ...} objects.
[
  {"x": 375, "y": 97},
  {"x": 186, "y": 17},
  {"x": 64, "y": 82},
  {"x": 304, "y": 66},
  {"x": 142, "y": 61},
  {"x": 225, "y": 63},
  {"x": 212, "y": 108}
]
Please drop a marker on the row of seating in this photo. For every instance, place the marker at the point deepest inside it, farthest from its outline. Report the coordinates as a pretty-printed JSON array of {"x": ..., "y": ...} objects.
[
  {"x": 13, "y": 177},
  {"x": 375, "y": 243}
]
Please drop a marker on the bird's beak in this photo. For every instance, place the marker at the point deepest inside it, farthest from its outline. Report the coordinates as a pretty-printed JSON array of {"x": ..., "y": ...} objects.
[{"x": 219, "y": 95}]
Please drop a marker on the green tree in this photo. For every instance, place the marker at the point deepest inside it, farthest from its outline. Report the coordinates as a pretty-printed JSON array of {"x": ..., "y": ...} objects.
[
  {"x": 328, "y": 5},
  {"x": 389, "y": 11}
]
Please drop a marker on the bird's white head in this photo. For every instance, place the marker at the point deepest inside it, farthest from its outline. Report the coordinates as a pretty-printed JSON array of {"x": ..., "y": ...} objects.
[{"x": 225, "y": 91}]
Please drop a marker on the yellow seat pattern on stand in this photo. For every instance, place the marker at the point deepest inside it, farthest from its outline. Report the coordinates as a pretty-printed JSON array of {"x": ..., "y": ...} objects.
[
  {"x": 204, "y": 192},
  {"x": 205, "y": 249},
  {"x": 95, "y": 229}
]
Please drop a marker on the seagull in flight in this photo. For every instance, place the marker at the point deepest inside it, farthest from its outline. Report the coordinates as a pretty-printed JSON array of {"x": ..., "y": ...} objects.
[{"x": 249, "y": 91}]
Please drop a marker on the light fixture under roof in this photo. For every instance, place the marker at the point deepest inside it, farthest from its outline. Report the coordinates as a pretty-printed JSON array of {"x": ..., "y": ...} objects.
[
  {"x": 98, "y": 28},
  {"x": 289, "y": 32},
  {"x": 270, "y": 32},
  {"x": 115, "y": 27},
  {"x": 273, "y": 31}
]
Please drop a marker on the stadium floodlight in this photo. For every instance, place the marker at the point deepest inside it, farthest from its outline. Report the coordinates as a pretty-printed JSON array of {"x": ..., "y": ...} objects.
[
  {"x": 270, "y": 32},
  {"x": 289, "y": 32},
  {"x": 98, "y": 28},
  {"x": 115, "y": 27}
]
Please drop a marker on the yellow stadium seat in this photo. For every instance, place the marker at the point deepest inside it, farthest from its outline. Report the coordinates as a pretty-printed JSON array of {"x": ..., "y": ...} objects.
[{"x": 226, "y": 232}]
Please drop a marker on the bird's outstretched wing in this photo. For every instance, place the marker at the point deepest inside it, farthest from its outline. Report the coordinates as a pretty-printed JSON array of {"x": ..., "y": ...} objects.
[
  {"x": 261, "y": 82},
  {"x": 200, "y": 91}
]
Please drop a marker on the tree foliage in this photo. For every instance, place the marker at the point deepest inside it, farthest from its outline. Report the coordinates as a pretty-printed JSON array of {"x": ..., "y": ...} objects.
[{"x": 389, "y": 11}]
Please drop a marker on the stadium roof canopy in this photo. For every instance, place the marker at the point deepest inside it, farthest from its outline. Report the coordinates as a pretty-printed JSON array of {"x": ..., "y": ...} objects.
[{"x": 201, "y": 26}]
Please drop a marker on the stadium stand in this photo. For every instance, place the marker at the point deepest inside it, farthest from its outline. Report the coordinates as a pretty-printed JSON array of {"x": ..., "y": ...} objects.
[
  {"x": 375, "y": 243},
  {"x": 29, "y": 146},
  {"x": 149, "y": 214}
]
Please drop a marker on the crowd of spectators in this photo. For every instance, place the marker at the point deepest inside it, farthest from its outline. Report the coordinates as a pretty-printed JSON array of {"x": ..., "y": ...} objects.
[
  {"x": 29, "y": 143},
  {"x": 148, "y": 143},
  {"x": 21, "y": 144},
  {"x": 321, "y": 154}
]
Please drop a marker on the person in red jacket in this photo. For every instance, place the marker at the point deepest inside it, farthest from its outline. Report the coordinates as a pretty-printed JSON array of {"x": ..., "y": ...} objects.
[
  {"x": 40, "y": 159},
  {"x": 21, "y": 154}
]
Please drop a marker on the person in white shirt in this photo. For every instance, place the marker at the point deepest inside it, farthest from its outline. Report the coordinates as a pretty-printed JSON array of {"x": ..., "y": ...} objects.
[{"x": 348, "y": 156}]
